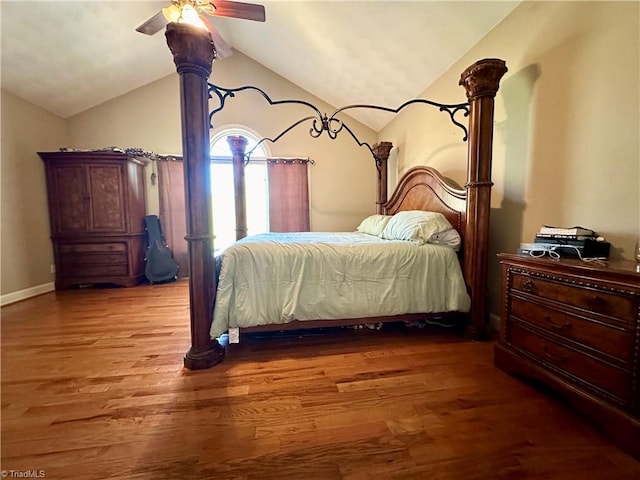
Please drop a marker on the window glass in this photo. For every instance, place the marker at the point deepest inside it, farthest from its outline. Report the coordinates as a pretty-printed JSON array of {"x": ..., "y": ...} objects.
[{"x": 256, "y": 189}]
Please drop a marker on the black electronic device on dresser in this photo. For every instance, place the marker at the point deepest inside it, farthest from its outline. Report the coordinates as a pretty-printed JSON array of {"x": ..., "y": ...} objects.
[{"x": 575, "y": 326}]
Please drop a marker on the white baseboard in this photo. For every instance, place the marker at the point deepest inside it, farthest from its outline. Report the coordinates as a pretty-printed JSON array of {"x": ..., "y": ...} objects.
[
  {"x": 26, "y": 293},
  {"x": 494, "y": 322}
]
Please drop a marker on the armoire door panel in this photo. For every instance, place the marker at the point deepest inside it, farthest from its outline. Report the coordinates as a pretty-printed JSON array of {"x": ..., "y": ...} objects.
[
  {"x": 72, "y": 199},
  {"x": 107, "y": 198}
]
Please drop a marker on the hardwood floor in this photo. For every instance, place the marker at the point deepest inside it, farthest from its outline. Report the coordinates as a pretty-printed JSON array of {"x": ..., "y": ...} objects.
[{"x": 93, "y": 387}]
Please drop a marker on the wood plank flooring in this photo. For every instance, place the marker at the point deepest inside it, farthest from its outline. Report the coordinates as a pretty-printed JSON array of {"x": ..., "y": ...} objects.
[{"x": 93, "y": 388}]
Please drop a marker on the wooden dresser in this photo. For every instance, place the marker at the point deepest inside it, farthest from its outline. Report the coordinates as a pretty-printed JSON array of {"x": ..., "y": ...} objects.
[
  {"x": 96, "y": 211},
  {"x": 576, "y": 326}
]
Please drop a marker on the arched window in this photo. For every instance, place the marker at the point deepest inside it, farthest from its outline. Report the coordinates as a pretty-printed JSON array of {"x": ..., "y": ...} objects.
[{"x": 257, "y": 188}]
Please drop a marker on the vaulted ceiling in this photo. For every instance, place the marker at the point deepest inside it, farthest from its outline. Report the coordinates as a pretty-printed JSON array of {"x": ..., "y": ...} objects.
[{"x": 68, "y": 56}]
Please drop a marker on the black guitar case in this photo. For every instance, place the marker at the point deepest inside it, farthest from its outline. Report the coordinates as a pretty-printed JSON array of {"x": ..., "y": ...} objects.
[{"x": 160, "y": 265}]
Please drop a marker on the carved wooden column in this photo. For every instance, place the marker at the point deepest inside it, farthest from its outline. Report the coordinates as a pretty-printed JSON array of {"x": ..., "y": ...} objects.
[
  {"x": 481, "y": 82},
  {"x": 381, "y": 152},
  {"x": 193, "y": 53},
  {"x": 238, "y": 144}
]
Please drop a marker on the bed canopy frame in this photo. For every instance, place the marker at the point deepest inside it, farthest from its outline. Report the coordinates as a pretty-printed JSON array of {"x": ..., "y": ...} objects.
[
  {"x": 193, "y": 54},
  {"x": 321, "y": 123}
]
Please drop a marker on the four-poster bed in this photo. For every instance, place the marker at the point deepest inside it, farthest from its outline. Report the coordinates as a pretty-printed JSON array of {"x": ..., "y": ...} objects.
[
  {"x": 397, "y": 266},
  {"x": 421, "y": 188}
]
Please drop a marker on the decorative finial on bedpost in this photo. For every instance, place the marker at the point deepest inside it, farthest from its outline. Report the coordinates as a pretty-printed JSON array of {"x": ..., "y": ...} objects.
[
  {"x": 481, "y": 82},
  {"x": 483, "y": 78},
  {"x": 381, "y": 152},
  {"x": 192, "y": 48},
  {"x": 238, "y": 145},
  {"x": 193, "y": 53}
]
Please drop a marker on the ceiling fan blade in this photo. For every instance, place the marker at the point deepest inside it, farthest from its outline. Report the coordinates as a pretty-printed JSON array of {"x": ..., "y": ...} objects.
[
  {"x": 223, "y": 49},
  {"x": 247, "y": 11},
  {"x": 153, "y": 25}
]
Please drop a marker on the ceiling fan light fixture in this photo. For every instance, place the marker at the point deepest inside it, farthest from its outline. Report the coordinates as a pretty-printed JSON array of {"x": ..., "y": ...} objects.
[
  {"x": 183, "y": 13},
  {"x": 204, "y": 6},
  {"x": 195, "y": 12},
  {"x": 171, "y": 13}
]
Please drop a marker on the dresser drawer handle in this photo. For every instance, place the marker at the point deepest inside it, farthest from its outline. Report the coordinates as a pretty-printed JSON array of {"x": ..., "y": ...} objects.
[
  {"x": 597, "y": 302},
  {"x": 528, "y": 285},
  {"x": 555, "y": 358},
  {"x": 557, "y": 326}
]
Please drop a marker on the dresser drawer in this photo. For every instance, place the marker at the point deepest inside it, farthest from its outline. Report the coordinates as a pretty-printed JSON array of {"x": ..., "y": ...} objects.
[
  {"x": 598, "y": 375},
  {"x": 576, "y": 327},
  {"x": 613, "y": 341},
  {"x": 589, "y": 299},
  {"x": 92, "y": 247}
]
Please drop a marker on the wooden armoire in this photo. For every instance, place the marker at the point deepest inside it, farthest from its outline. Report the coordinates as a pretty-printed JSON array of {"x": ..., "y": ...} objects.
[{"x": 96, "y": 211}]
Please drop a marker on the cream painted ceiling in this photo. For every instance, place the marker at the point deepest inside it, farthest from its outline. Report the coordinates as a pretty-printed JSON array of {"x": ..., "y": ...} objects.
[{"x": 68, "y": 56}]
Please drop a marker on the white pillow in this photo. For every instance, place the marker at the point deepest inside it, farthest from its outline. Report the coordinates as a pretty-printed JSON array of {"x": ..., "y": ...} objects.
[
  {"x": 449, "y": 237},
  {"x": 415, "y": 226},
  {"x": 374, "y": 224}
]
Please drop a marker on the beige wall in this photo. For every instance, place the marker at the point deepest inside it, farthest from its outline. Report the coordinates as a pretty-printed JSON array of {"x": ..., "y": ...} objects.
[
  {"x": 565, "y": 152},
  {"x": 342, "y": 182},
  {"x": 26, "y": 252},
  {"x": 566, "y": 146}
]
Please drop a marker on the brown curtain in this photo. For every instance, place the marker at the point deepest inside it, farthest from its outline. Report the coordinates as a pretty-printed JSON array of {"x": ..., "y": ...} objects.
[
  {"x": 288, "y": 195},
  {"x": 173, "y": 209}
]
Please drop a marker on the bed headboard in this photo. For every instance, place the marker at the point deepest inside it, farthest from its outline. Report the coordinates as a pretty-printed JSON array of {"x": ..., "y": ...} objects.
[{"x": 423, "y": 188}]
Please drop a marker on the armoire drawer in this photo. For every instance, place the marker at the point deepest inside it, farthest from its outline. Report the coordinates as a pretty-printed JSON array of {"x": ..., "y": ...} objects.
[
  {"x": 69, "y": 260},
  {"x": 92, "y": 247},
  {"x": 96, "y": 271},
  {"x": 589, "y": 299}
]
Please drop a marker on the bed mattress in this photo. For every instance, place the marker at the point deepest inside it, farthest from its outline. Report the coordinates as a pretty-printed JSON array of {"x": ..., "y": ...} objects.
[{"x": 274, "y": 278}]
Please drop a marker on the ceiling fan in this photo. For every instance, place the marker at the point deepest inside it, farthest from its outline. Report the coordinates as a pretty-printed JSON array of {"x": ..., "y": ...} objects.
[{"x": 196, "y": 12}]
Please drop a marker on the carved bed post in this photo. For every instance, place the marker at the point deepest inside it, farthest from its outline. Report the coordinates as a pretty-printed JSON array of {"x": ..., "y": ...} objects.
[
  {"x": 193, "y": 53},
  {"x": 381, "y": 152},
  {"x": 481, "y": 82},
  {"x": 238, "y": 144}
]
